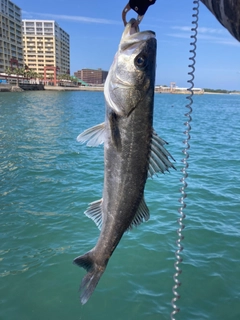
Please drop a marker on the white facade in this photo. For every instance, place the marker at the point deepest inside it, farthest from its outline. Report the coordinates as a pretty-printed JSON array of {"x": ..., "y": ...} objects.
[
  {"x": 46, "y": 44},
  {"x": 11, "y": 49}
]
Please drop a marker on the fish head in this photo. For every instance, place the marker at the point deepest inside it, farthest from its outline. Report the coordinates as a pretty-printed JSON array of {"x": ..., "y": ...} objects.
[{"x": 131, "y": 77}]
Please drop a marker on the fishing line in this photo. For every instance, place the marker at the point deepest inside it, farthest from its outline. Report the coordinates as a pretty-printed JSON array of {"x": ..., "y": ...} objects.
[{"x": 185, "y": 161}]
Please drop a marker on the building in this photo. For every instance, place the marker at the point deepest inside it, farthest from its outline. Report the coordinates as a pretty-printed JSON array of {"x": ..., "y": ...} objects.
[
  {"x": 11, "y": 49},
  {"x": 175, "y": 89},
  {"x": 46, "y": 48},
  {"x": 92, "y": 76}
]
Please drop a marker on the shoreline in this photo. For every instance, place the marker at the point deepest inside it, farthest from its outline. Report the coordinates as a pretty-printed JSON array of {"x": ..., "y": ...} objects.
[
  {"x": 15, "y": 88},
  {"x": 58, "y": 88}
]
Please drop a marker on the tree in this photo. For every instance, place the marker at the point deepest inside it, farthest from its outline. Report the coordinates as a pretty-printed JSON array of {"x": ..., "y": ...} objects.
[
  {"x": 22, "y": 72},
  {"x": 19, "y": 72},
  {"x": 8, "y": 71},
  {"x": 60, "y": 77},
  {"x": 31, "y": 74}
]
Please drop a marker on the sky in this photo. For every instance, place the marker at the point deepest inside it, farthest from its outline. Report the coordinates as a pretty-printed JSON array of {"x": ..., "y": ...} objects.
[{"x": 95, "y": 28}]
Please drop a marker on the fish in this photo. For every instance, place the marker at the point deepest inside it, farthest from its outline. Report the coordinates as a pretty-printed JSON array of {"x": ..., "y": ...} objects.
[{"x": 132, "y": 150}]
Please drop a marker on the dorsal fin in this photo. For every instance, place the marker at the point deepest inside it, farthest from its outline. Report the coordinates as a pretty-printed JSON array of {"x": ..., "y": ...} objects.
[
  {"x": 141, "y": 215},
  {"x": 159, "y": 156}
]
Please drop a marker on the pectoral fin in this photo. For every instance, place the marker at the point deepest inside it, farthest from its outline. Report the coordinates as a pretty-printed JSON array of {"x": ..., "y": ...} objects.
[
  {"x": 94, "y": 136},
  {"x": 159, "y": 156}
]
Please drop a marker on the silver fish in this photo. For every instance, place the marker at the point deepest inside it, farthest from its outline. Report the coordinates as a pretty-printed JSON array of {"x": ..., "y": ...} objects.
[{"x": 132, "y": 149}]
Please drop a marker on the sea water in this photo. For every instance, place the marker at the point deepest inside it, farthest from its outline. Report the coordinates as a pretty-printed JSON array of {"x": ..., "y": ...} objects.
[{"x": 47, "y": 180}]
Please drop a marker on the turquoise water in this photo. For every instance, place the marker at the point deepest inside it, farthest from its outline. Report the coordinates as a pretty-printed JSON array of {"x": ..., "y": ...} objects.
[{"x": 48, "y": 179}]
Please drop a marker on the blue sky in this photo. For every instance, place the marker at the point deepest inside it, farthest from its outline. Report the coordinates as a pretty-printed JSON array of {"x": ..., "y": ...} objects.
[{"x": 95, "y": 28}]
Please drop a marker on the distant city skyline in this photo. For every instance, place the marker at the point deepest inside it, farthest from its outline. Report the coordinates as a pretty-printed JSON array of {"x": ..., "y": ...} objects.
[{"x": 95, "y": 29}]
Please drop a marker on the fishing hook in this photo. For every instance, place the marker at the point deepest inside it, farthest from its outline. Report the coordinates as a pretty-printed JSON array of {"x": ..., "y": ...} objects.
[{"x": 185, "y": 161}]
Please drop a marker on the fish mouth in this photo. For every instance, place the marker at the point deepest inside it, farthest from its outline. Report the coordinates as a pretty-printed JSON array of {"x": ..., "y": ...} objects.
[{"x": 132, "y": 35}]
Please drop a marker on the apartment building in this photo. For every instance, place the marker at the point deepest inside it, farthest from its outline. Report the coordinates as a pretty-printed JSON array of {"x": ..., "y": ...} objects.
[
  {"x": 11, "y": 49},
  {"x": 46, "y": 48},
  {"x": 92, "y": 76}
]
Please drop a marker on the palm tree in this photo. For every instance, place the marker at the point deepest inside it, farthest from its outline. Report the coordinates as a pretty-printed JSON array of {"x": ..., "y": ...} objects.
[
  {"x": 34, "y": 75},
  {"x": 8, "y": 71},
  {"x": 68, "y": 77},
  {"x": 31, "y": 74},
  {"x": 22, "y": 72},
  {"x": 19, "y": 72},
  {"x": 60, "y": 77}
]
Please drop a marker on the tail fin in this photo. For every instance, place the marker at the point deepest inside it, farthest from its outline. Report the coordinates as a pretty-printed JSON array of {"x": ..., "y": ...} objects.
[{"x": 90, "y": 281}]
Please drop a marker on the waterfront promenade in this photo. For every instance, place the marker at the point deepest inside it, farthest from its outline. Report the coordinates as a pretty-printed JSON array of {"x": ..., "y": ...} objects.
[
  {"x": 81, "y": 88},
  {"x": 23, "y": 87}
]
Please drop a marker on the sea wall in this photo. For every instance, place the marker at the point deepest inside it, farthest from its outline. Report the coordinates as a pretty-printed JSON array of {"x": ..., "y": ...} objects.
[
  {"x": 21, "y": 87},
  {"x": 9, "y": 88}
]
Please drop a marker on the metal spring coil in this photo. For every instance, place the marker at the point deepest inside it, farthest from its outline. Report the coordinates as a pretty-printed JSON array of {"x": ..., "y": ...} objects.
[{"x": 185, "y": 163}]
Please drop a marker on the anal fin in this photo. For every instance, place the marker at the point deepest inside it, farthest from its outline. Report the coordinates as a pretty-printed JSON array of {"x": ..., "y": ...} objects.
[{"x": 94, "y": 212}]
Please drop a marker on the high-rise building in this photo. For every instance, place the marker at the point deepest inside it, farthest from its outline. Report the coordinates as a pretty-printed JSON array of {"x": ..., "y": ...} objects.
[
  {"x": 92, "y": 76},
  {"x": 46, "y": 48},
  {"x": 11, "y": 50}
]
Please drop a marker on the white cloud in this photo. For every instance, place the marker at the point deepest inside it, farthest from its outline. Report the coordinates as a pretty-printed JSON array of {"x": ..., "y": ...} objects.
[
  {"x": 79, "y": 19},
  {"x": 179, "y": 35},
  {"x": 216, "y": 36},
  {"x": 229, "y": 42},
  {"x": 201, "y": 30}
]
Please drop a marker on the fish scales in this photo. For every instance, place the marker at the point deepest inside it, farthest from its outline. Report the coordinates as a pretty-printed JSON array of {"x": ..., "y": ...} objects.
[{"x": 132, "y": 149}]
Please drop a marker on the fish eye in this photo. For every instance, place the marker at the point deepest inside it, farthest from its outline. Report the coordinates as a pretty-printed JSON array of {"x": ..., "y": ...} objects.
[{"x": 141, "y": 61}]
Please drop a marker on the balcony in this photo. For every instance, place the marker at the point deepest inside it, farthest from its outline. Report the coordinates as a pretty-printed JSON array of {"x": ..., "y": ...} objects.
[{"x": 47, "y": 25}]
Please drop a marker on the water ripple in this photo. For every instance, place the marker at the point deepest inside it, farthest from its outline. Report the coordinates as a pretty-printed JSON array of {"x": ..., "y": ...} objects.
[{"x": 48, "y": 180}]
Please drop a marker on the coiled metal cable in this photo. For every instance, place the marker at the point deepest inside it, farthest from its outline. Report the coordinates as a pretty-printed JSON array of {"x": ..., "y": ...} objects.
[{"x": 185, "y": 162}]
